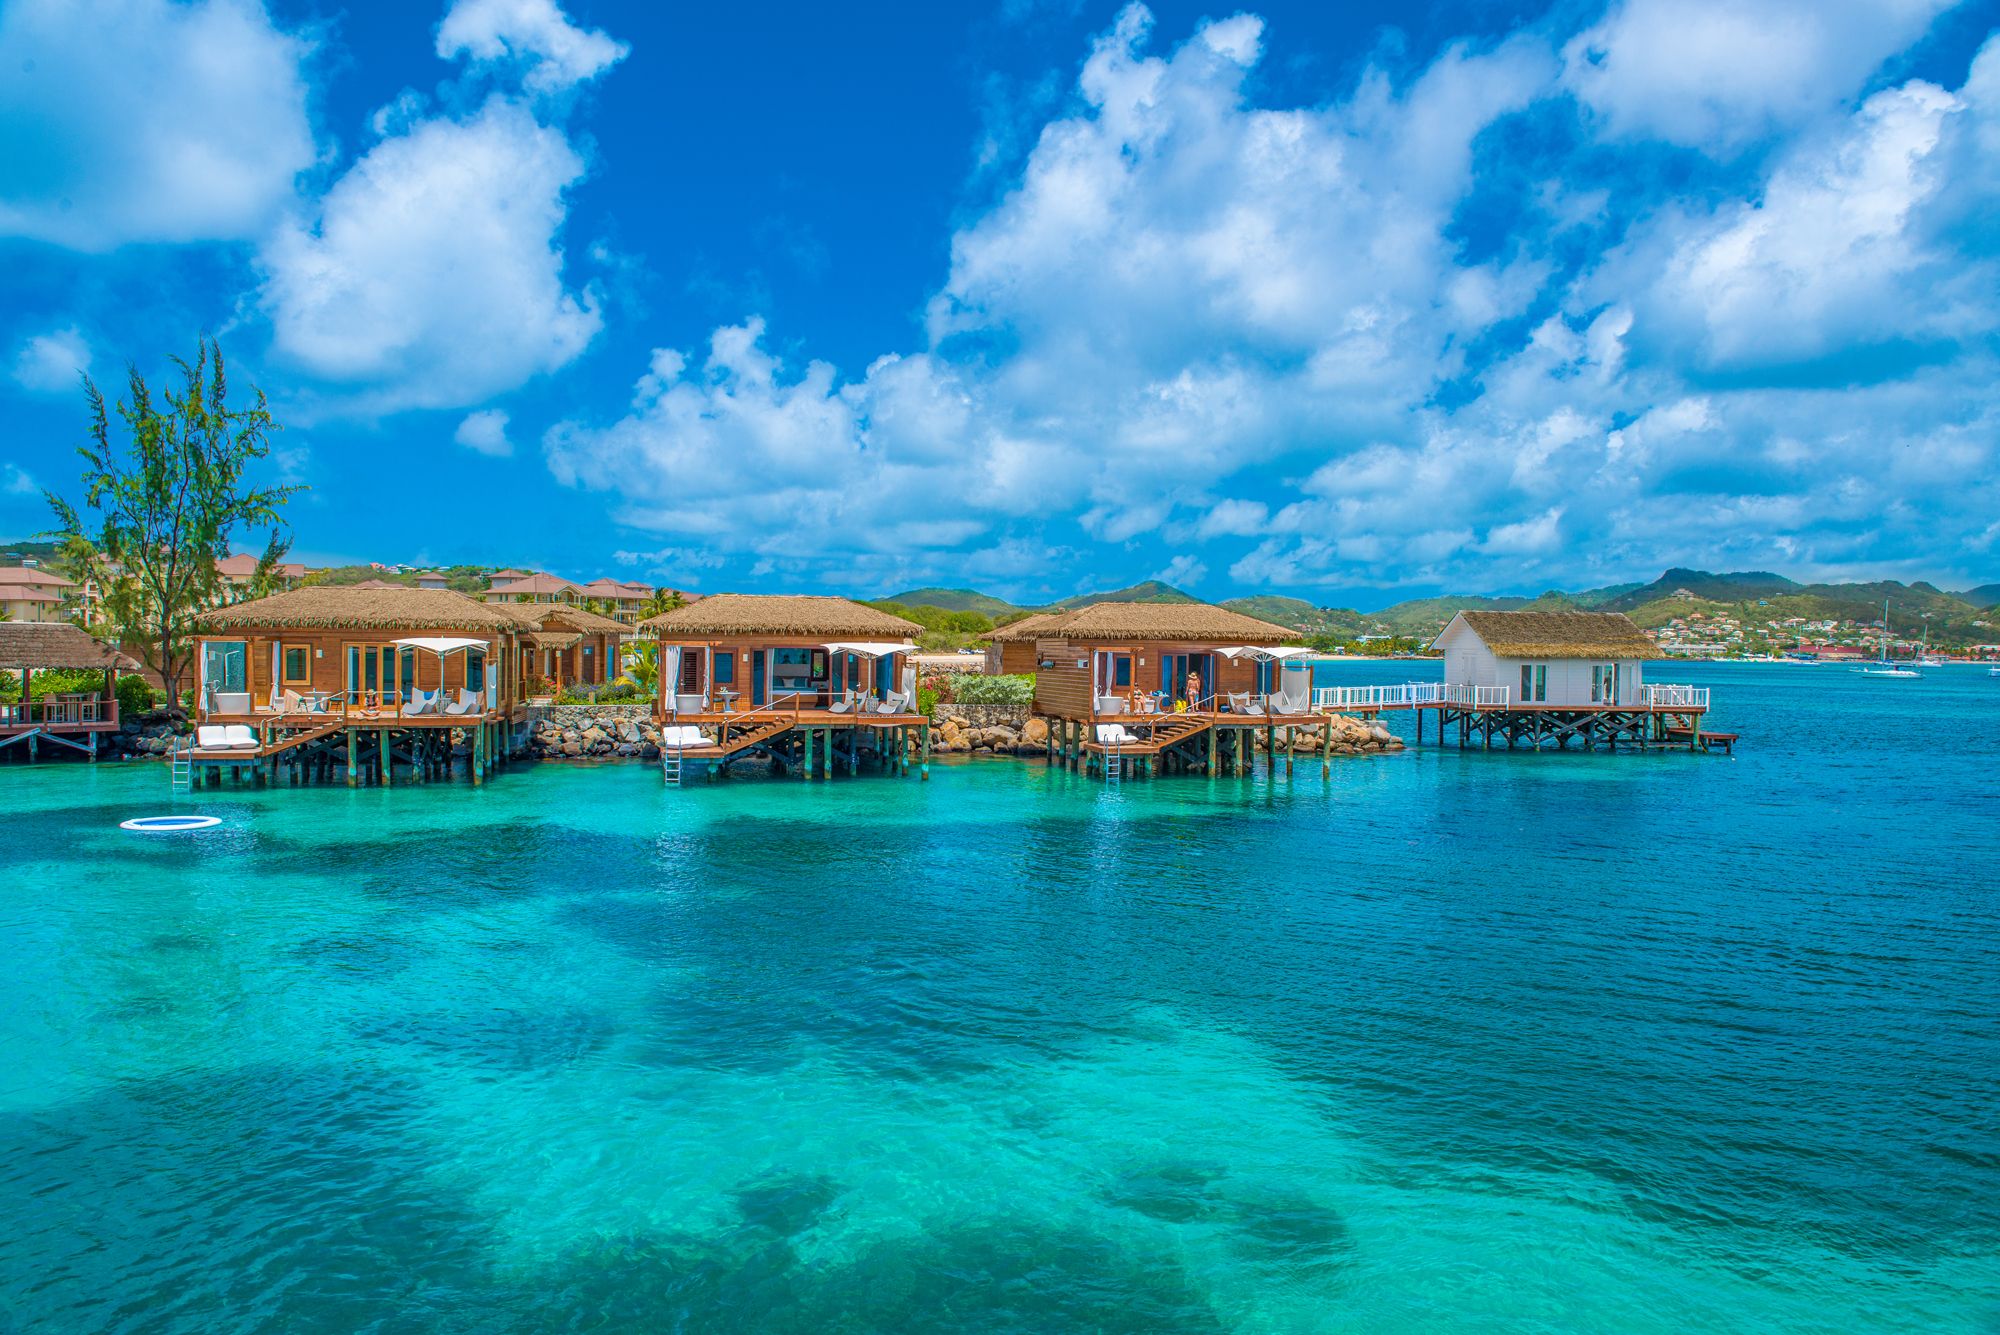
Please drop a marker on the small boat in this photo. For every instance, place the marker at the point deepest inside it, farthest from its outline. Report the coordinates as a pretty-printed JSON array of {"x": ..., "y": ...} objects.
[{"x": 1882, "y": 667}]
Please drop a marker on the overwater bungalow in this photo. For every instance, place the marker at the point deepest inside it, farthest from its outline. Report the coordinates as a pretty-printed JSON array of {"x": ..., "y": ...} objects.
[
  {"x": 1167, "y": 686},
  {"x": 1544, "y": 679},
  {"x": 76, "y": 720},
  {"x": 811, "y": 683},
  {"x": 355, "y": 678}
]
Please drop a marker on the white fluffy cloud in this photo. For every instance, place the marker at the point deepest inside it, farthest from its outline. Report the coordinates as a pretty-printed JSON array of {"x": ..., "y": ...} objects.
[
  {"x": 1188, "y": 296},
  {"x": 144, "y": 120},
  {"x": 1828, "y": 255},
  {"x": 555, "y": 54},
  {"x": 431, "y": 275},
  {"x": 51, "y": 363},
  {"x": 485, "y": 432},
  {"x": 1722, "y": 73}
]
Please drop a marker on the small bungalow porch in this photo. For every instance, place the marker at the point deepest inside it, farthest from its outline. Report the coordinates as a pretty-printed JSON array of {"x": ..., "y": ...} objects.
[{"x": 73, "y": 720}]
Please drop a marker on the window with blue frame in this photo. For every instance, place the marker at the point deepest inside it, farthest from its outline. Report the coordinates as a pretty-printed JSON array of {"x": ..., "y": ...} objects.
[
  {"x": 725, "y": 669},
  {"x": 1121, "y": 670}
]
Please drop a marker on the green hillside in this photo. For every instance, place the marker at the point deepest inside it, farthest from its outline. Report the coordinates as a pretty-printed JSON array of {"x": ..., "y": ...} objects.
[
  {"x": 1986, "y": 595},
  {"x": 1738, "y": 587},
  {"x": 954, "y": 600},
  {"x": 14, "y": 553},
  {"x": 1299, "y": 615},
  {"x": 1149, "y": 591}
]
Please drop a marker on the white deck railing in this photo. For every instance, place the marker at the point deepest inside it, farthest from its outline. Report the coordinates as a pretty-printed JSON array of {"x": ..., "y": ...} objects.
[
  {"x": 1479, "y": 697},
  {"x": 1676, "y": 697},
  {"x": 1337, "y": 698}
]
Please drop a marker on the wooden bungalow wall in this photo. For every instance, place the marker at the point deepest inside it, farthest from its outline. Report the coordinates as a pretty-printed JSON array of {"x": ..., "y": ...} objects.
[
  {"x": 1064, "y": 691},
  {"x": 326, "y": 661}
]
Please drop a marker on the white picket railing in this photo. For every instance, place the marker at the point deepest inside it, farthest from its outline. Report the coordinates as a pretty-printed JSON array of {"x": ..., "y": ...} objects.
[
  {"x": 1677, "y": 697},
  {"x": 1478, "y": 697},
  {"x": 1378, "y": 697}
]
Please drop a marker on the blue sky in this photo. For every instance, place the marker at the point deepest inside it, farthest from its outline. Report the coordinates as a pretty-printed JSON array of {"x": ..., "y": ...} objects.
[{"x": 1336, "y": 301}]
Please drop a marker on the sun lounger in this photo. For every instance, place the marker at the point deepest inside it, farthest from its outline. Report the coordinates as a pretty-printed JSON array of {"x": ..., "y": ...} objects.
[
  {"x": 1113, "y": 734},
  {"x": 423, "y": 702},
  {"x": 893, "y": 703},
  {"x": 468, "y": 703},
  {"x": 844, "y": 705},
  {"x": 239, "y": 737},
  {"x": 682, "y": 737},
  {"x": 217, "y": 737},
  {"x": 1291, "y": 703}
]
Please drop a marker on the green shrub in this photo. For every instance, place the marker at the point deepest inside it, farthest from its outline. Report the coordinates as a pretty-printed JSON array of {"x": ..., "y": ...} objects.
[
  {"x": 978, "y": 689},
  {"x": 927, "y": 701},
  {"x": 135, "y": 696}
]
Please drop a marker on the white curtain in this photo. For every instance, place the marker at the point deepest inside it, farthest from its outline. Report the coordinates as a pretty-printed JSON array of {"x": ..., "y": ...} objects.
[
  {"x": 277, "y": 660},
  {"x": 669, "y": 682}
]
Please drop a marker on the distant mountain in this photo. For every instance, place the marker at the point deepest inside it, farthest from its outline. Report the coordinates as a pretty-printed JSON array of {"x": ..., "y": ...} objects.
[
  {"x": 1986, "y": 595},
  {"x": 1150, "y": 591},
  {"x": 1741, "y": 586},
  {"x": 954, "y": 600}
]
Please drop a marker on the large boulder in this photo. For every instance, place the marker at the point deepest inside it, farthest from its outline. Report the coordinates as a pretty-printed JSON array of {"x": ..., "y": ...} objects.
[{"x": 1035, "y": 733}]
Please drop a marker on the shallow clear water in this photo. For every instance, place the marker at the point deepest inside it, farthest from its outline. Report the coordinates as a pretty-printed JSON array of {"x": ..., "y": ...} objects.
[{"x": 1447, "y": 1041}]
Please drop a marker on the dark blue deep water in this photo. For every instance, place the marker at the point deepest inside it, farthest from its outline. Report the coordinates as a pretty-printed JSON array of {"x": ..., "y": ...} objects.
[{"x": 1446, "y": 1042}]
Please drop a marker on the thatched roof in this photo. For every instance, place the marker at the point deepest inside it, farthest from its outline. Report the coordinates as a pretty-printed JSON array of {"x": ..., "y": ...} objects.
[
  {"x": 581, "y": 618},
  {"x": 1608, "y": 635},
  {"x": 809, "y": 617},
  {"x": 39, "y": 645},
  {"x": 559, "y": 616},
  {"x": 351, "y": 607},
  {"x": 1117, "y": 623},
  {"x": 1024, "y": 629}
]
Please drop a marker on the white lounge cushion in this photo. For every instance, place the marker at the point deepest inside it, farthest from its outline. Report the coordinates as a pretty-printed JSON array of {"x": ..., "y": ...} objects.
[
  {"x": 682, "y": 736},
  {"x": 211, "y": 737},
  {"x": 1113, "y": 732},
  {"x": 238, "y": 736}
]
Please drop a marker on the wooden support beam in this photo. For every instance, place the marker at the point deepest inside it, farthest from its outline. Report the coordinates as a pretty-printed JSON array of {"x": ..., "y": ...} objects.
[
  {"x": 478, "y": 765},
  {"x": 350, "y": 757},
  {"x": 388, "y": 757}
]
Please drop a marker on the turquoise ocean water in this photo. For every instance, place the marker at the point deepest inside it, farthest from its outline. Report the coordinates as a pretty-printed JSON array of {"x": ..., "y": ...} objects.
[{"x": 1447, "y": 1042}]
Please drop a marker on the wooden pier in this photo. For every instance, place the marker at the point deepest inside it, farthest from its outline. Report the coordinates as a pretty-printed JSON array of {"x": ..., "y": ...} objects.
[
  {"x": 800, "y": 741},
  {"x": 1664, "y": 717}
]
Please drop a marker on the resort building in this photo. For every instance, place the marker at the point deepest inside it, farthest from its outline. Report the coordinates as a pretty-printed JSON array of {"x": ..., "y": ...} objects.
[
  {"x": 433, "y": 579},
  {"x": 28, "y": 593},
  {"x": 536, "y": 588},
  {"x": 379, "y": 676},
  {"x": 72, "y": 719},
  {"x": 627, "y": 599},
  {"x": 561, "y": 645},
  {"x": 810, "y": 682},
  {"x": 235, "y": 574}
]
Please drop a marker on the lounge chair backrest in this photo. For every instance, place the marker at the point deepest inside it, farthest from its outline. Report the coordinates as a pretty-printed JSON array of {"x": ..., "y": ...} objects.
[
  {"x": 1112, "y": 732},
  {"x": 1294, "y": 701},
  {"x": 211, "y": 737},
  {"x": 237, "y": 736}
]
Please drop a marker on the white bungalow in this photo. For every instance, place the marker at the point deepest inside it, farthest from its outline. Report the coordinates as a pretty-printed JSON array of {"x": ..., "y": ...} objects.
[{"x": 1554, "y": 660}]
